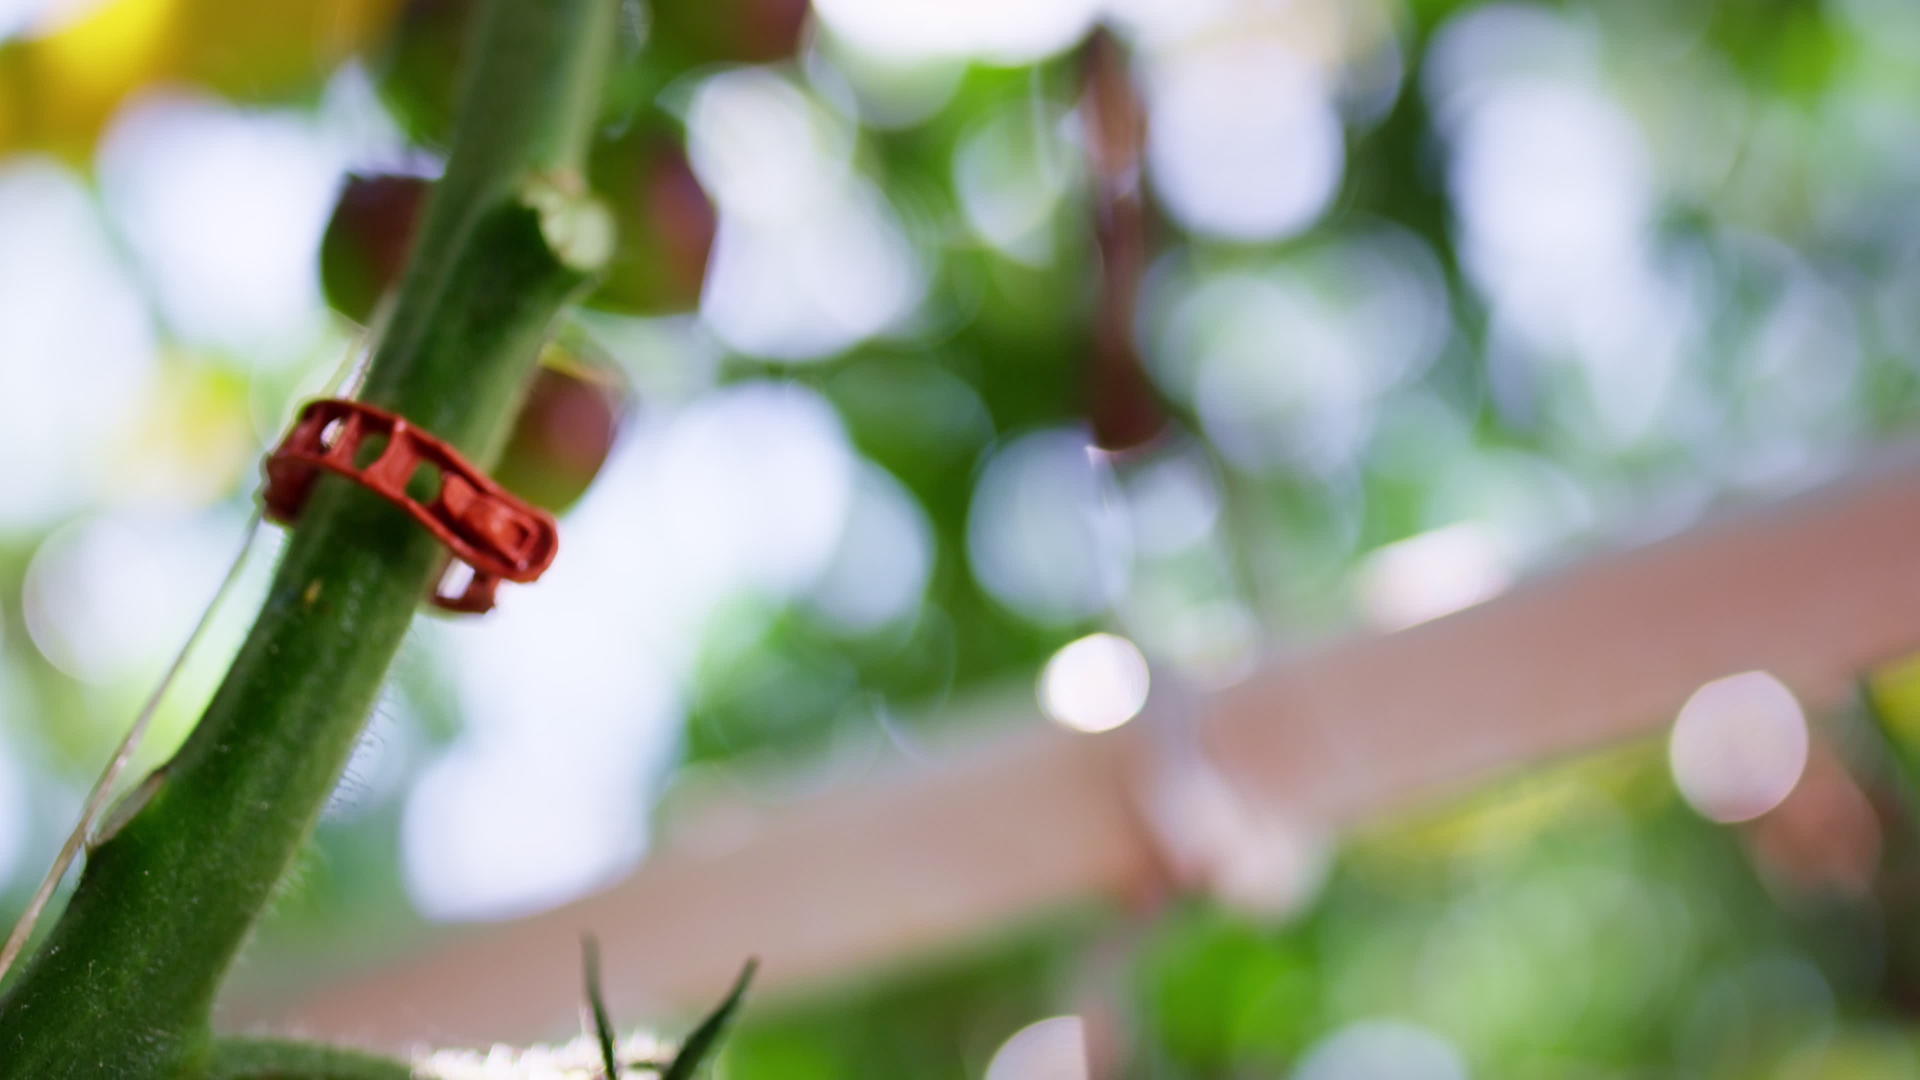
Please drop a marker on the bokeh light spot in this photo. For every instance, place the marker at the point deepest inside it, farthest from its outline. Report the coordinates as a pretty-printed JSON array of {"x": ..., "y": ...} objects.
[
  {"x": 1739, "y": 746},
  {"x": 505, "y": 829},
  {"x": 808, "y": 258},
  {"x": 1433, "y": 574},
  {"x": 756, "y": 479},
  {"x": 76, "y": 345},
  {"x": 1002, "y": 31},
  {"x": 879, "y": 570},
  {"x": 112, "y": 597},
  {"x": 224, "y": 209},
  {"x": 1244, "y": 142},
  {"x": 1095, "y": 684},
  {"x": 761, "y": 145},
  {"x": 1173, "y": 502},
  {"x": 1050, "y": 1049},
  {"x": 19, "y": 15},
  {"x": 1046, "y": 533}
]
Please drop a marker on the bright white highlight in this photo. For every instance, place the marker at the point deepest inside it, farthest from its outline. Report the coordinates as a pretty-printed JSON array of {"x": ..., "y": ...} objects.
[
  {"x": 1244, "y": 142},
  {"x": 1550, "y": 176},
  {"x": 17, "y": 16},
  {"x": 1495, "y": 44},
  {"x": 1095, "y": 684},
  {"x": 76, "y": 346},
  {"x": 43, "y": 18},
  {"x": 571, "y": 702},
  {"x": 1557, "y": 196},
  {"x": 814, "y": 285},
  {"x": 573, "y": 1060},
  {"x": 758, "y": 478},
  {"x": 808, "y": 259},
  {"x": 1000, "y": 31},
  {"x": 1738, "y": 746},
  {"x": 224, "y": 208},
  {"x": 762, "y": 147},
  {"x": 885, "y": 92},
  {"x": 1433, "y": 574},
  {"x": 494, "y": 832},
  {"x": 1050, "y": 1049}
]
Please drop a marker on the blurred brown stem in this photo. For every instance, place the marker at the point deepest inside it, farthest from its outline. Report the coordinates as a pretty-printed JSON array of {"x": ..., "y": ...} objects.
[{"x": 1122, "y": 406}]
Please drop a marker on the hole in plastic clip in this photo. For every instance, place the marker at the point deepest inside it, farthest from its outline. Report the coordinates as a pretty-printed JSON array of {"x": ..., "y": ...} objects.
[
  {"x": 424, "y": 486},
  {"x": 369, "y": 451},
  {"x": 492, "y": 535}
]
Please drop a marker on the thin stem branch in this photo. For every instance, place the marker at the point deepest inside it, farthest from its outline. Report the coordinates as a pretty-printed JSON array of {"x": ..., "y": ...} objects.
[{"x": 95, "y": 807}]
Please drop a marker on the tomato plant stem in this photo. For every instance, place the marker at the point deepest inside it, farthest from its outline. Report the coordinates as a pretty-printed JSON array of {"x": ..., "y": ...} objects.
[{"x": 125, "y": 982}]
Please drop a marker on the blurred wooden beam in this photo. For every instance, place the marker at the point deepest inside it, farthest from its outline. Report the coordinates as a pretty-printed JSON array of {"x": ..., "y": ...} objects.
[{"x": 1815, "y": 590}]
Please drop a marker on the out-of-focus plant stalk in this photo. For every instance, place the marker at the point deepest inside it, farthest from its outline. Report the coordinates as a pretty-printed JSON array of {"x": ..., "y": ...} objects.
[{"x": 124, "y": 984}]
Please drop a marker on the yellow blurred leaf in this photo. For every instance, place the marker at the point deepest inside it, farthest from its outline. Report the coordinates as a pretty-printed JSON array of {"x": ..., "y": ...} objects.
[
  {"x": 62, "y": 89},
  {"x": 1896, "y": 697},
  {"x": 250, "y": 50},
  {"x": 76, "y": 77}
]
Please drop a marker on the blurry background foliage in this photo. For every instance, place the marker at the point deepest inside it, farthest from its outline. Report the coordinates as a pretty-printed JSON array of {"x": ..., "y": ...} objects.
[{"x": 1429, "y": 295}]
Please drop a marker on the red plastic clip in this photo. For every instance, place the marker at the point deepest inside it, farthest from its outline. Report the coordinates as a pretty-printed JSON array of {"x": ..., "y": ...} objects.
[{"x": 482, "y": 523}]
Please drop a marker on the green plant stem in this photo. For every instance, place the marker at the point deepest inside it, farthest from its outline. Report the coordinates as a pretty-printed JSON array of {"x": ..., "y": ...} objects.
[{"x": 125, "y": 982}]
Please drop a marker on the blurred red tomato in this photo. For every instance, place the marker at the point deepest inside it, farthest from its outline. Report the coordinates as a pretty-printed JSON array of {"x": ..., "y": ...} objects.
[
  {"x": 727, "y": 31},
  {"x": 666, "y": 225},
  {"x": 572, "y": 415},
  {"x": 367, "y": 240}
]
